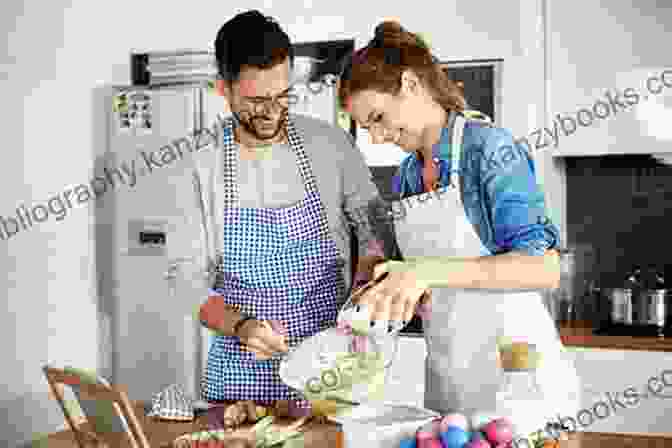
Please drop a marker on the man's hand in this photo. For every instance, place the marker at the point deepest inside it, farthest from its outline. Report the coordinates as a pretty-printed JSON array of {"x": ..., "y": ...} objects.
[
  {"x": 261, "y": 338},
  {"x": 365, "y": 269}
]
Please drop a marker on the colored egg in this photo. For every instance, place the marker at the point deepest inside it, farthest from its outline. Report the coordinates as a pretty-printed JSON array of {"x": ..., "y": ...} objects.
[
  {"x": 476, "y": 436},
  {"x": 444, "y": 428},
  {"x": 427, "y": 440},
  {"x": 436, "y": 443},
  {"x": 454, "y": 438},
  {"x": 408, "y": 443},
  {"x": 457, "y": 420},
  {"x": 436, "y": 426},
  {"x": 499, "y": 431},
  {"x": 477, "y": 443}
]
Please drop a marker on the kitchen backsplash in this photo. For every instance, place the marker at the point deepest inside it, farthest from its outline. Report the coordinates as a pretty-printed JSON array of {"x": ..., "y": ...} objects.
[{"x": 620, "y": 207}]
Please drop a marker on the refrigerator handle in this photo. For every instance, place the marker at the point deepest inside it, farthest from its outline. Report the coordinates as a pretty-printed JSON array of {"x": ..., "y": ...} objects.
[
  {"x": 197, "y": 110},
  {"x": 175, "y": 265}
]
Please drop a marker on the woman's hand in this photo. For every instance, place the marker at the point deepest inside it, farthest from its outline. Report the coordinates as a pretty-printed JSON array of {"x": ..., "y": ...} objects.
[
  {"x": 263, "y": 338},
  {"x": 395, "y": 298}
]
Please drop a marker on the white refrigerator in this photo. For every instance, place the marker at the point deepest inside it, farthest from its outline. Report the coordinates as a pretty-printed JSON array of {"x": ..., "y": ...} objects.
[{"x": 146, "y": 226}]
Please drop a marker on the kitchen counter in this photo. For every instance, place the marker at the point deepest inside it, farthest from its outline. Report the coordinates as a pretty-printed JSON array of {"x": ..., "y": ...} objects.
[
  {"x": 580, "y": 334},
  {"x": 597, "y": 440}
]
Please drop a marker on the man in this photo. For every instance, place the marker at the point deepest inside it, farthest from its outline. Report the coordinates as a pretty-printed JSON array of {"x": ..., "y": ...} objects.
[{"x": 278, "y": 197}]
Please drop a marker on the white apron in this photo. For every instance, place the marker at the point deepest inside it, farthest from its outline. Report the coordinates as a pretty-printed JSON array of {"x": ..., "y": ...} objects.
[{"x": 461, "y": 334}]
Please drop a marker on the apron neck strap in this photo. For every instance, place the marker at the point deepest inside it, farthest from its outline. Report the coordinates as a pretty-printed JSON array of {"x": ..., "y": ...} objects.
[
  {"x": 296, "y": 143},
  {"x": 456, "y": 149}
]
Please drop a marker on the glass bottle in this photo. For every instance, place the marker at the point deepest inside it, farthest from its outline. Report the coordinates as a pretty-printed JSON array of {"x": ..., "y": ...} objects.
[
  {"x": 565, "y": 293},
  {"x": 520, "y": 398}
]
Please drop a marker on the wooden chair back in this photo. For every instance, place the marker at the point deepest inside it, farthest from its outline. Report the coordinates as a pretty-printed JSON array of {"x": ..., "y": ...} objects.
[{"x": 114, "y": 395}]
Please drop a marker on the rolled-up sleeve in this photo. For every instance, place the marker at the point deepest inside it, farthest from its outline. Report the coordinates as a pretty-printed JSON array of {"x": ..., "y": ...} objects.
[{"x": 514, "y": 201}]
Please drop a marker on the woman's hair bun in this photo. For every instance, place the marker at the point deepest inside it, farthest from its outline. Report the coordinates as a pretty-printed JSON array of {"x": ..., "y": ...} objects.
[
  {"x": 391, "y": 33},
  {"x": 388, "y": 28}
]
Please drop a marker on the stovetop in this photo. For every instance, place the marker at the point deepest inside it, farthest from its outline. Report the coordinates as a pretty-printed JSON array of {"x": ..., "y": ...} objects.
[{"x": 633, "y": 330}]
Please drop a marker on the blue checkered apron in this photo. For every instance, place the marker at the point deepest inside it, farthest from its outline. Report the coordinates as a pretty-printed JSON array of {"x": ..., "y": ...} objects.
[{"x": 275, "y": 263}]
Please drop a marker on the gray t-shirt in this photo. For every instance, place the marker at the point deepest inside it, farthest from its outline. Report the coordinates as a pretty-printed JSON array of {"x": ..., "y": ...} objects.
[{"x": 273, "y": 181}]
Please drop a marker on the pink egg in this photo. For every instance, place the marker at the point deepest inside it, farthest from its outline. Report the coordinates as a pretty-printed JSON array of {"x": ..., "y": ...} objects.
[
  {"x": 499, "y": 431},
  {"x": 426, "y": 439},
  {"x": 456, "y": 420}
]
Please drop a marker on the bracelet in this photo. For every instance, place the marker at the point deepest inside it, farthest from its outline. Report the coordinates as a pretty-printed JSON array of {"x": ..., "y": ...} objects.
[
  {"x": 362, "y": 278},
  {"x": 237, "y": 325}
]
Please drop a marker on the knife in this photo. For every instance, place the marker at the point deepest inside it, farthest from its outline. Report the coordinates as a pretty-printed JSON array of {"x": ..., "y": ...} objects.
[{"x": 341, "y": 400}]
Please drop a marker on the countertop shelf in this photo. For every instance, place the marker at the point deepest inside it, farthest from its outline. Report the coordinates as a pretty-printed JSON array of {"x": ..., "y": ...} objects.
[{"x": 580, "y": 334}]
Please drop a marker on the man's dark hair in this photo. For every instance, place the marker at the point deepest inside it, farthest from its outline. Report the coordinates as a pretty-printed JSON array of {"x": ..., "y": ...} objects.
[{"x": 251, "y": 39}]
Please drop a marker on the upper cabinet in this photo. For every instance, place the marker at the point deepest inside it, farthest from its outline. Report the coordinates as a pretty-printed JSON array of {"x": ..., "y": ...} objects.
[{"x": 610, "y": 86}]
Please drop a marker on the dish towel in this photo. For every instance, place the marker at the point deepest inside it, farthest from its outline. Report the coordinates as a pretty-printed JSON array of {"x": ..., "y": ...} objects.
[{"x": 172, "y": 403}]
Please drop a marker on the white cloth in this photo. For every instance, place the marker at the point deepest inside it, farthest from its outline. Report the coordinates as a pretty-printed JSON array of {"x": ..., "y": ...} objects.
[{"x": 461, "y": 334}]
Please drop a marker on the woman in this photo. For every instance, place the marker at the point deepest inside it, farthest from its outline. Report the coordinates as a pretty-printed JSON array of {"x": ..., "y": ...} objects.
[{"x": 477, "y": 239}]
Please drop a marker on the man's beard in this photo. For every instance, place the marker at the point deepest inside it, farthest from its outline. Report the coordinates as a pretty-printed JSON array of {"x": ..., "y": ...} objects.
[{"x": 251, "y": 125}]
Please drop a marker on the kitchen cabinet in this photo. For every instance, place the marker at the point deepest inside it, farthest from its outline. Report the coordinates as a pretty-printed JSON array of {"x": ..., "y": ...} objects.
[
  {"x": 610, "y": 373},
  {"x": 608, "y": 106}
]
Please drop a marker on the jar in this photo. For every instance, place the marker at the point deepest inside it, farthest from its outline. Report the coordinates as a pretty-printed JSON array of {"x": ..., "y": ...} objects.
[
  {"x": 519, "y": 398},
  {"x": 564, "y": 295}
]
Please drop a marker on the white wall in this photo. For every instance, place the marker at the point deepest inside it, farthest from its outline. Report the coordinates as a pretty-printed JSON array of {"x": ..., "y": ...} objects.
[{"x": 58, "y": 52}]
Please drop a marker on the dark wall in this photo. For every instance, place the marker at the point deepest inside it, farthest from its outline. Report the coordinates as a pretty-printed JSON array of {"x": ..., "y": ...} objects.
[
  {"x": 382, "y": 176},
  {"x": 622, "y": 207},
  {"x": 478, "y": 86}
]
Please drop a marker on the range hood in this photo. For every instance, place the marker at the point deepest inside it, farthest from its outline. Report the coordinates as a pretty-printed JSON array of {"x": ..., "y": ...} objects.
[{"x": 642, "y": 127}]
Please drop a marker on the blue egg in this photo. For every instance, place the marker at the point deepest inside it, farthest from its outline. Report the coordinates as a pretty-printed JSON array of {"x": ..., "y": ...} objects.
[
  {"x": 408, "y": 443},
  {"x": 475, "y": 435},
  {"x": 454, "y": 437}
]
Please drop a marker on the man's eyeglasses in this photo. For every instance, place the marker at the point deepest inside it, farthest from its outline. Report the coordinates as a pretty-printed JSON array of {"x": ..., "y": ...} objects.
[{"x": 282, "y": 101}]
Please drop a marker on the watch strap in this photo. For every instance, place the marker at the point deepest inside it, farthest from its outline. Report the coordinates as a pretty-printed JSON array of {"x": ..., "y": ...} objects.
[{"x": 244, "y": 318}]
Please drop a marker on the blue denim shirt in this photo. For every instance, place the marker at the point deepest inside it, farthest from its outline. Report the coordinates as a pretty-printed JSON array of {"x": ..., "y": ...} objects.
[{"x": 500, "y": 193}]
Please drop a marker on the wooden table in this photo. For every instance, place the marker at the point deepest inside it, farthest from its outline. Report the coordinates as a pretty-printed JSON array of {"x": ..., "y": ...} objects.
[{"x": 161, "y": 434}]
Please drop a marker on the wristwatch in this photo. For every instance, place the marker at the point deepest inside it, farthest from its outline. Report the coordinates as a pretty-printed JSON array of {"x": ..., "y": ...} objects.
[
  {"x": 362, "y": 278},
  {"x": 243, "y": 318}
]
